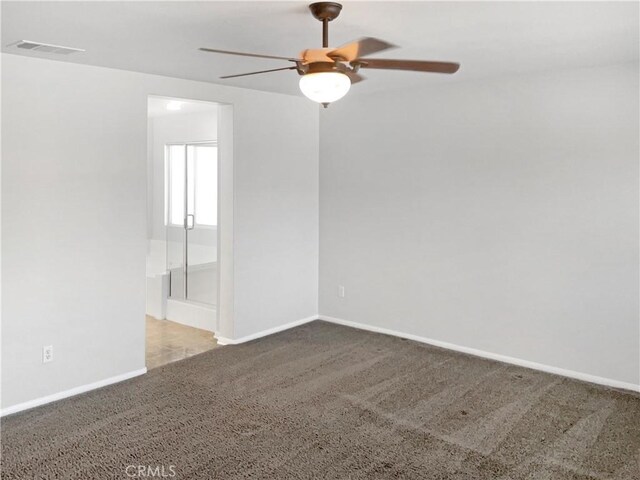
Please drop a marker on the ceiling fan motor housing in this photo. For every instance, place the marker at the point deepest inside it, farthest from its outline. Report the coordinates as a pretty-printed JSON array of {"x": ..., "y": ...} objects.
[{"x": 321, "y": 67}]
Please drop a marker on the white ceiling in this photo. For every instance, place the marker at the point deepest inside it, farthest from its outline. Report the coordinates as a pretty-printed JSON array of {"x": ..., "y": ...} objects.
[{"x": 487, "y": 38}]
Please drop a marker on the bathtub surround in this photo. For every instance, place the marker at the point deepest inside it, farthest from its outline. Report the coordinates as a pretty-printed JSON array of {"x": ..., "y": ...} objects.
[
  {"x": 157, "y": 294},
  {"x": 74, "y": 218},
  {"x": 192, "y": 314}
]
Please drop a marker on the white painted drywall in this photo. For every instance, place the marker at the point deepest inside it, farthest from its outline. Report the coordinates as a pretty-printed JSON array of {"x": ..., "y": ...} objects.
[
  {"x": 74, "y": 218},
  {"x": 499, "y": 215}
]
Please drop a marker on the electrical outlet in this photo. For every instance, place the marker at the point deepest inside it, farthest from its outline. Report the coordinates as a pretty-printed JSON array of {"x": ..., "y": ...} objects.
[
  {"x": 47, "y": 354},
  {"x": 341, "y": 291}
]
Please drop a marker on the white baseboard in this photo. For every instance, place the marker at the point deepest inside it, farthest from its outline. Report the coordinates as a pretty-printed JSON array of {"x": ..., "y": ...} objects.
[
  {"x": 227, "y": 341},
  {"x": 492, "y": 356},
  {"x": 71, "y": 392},
  {"x": 264, "y": 333}
]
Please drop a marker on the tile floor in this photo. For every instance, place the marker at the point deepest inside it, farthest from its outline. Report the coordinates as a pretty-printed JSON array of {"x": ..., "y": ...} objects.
[{"x": 168, "y": 341}]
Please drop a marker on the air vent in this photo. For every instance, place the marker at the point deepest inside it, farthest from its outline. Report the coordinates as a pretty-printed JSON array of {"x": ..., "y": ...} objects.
[{"x": 45, "y": 47}]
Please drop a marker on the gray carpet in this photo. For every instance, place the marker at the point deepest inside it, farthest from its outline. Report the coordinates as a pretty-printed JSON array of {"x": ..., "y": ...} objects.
[{"x": 324, "y": 401}]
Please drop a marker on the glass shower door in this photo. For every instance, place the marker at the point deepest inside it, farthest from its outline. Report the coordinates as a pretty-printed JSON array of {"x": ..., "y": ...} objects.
[
  {"x": 191, "y": 199},
  {"x": 176, "y": 211},
  {"x": 202, "y": 274}
]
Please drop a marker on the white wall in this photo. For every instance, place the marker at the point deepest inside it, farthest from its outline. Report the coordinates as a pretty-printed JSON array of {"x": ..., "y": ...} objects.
[
  {"x": 74, "y": 218},
  {"x": 499, "y": 215}
]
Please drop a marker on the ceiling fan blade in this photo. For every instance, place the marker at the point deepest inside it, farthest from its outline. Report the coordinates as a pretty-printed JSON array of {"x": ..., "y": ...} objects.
[
  {"x": 413, "y": 65},
  {"x": 243, "y": 54},
  {"x": 359, "y": 48},
  {"x": 354, "y": 77},
  {"x": 261, "y": 71}
]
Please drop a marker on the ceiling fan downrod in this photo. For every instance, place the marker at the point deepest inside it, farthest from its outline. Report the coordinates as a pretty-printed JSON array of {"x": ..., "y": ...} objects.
[{"x": 325, "y": 12}]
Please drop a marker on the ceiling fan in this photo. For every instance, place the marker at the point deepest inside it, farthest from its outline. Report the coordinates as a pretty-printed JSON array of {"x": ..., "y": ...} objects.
[{"x": 327, "y": 73}]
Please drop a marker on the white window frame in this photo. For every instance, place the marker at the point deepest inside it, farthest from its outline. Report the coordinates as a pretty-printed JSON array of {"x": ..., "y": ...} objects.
[{"x": 167, "y": 184}]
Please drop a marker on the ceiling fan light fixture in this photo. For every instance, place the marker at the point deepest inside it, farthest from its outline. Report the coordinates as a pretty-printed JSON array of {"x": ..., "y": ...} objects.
[
  {"x": 327, "y": 73},
  {"x": 325, "y": 87}
]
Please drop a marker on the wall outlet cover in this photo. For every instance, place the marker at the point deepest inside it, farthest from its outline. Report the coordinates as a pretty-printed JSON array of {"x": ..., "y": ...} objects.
[{"x": 47, "y": 354}]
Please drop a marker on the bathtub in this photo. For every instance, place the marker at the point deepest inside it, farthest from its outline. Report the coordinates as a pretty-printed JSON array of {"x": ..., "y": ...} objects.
[{"x": 199, "y": 310}]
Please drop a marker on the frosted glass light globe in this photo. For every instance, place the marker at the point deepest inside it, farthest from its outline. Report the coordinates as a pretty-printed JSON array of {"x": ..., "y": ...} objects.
[{"x": 325, "y": 87}]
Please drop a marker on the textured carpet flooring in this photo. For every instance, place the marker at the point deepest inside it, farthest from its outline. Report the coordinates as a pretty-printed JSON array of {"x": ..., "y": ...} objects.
[{"x": 324, "y": 401}]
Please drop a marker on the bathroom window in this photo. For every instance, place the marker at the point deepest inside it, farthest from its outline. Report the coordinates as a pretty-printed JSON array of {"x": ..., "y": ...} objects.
[{"x": 191, "y": 179}]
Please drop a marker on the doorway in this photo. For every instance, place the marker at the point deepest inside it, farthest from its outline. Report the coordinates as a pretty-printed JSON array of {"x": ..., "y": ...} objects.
[{"x": 182, "y": 219}]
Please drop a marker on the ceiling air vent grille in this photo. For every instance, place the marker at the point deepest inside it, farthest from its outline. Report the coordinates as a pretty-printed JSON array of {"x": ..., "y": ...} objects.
[{"x": 45, "y": 47}]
